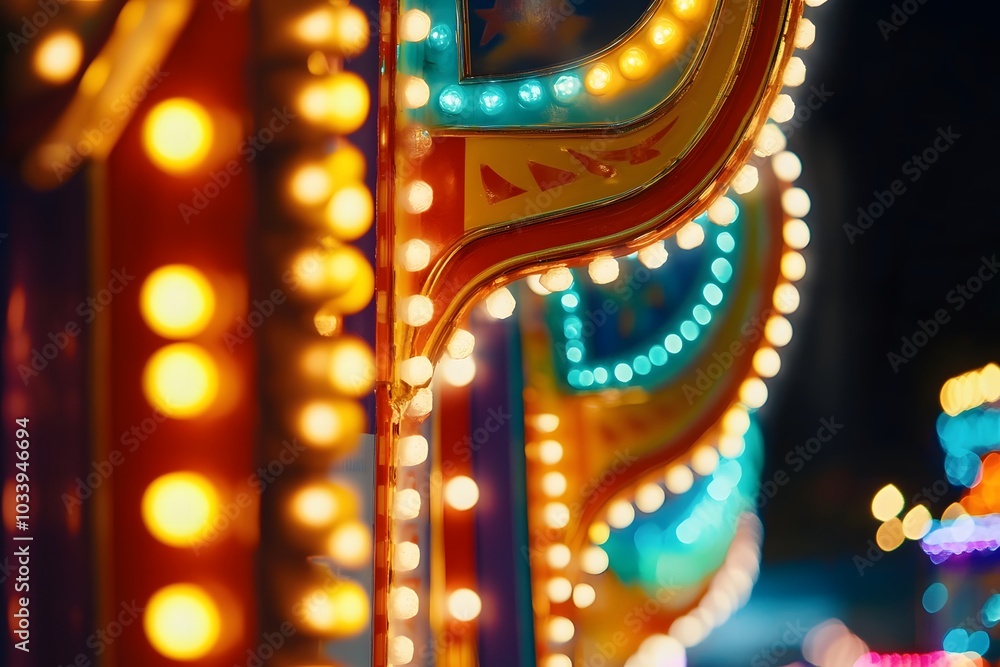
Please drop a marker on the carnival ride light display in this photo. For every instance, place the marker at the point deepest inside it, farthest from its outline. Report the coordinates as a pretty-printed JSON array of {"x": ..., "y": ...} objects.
[{"x": 555, "y": 197}]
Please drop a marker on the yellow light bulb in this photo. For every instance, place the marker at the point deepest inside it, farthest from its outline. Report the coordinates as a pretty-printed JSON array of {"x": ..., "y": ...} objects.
[
  {"x": 688, "y": 9},
  {"x": 597, "y": 79},
  {"x": 352, "y": 366},
  {"x": 350, "y": 212},
  {"x": 177, "y": 135},
  {"x": 58, "y": 57},
  {"x": 317, "y": 506},
  {"x": 340, "y": 103},
  {"x": 414, "y": 26},
  {"x": 351, "y": 32},
  {"x": 634, "y": 64},
  {"x": 362, "y": 288},
  {"x": 182, "y": 622},
  {"x": 341, "y": 610},
  {"x": 181, "y": 379},
  {"x": 177, "y": 301},
  {"x": 347, "y": 163},
  {"x": 179, "y": 507},
  {"x": 663, "y": 33},
  {"x": 351, "y": 544},
  {"x": 310, "y": 185},
  {"x": 330, "y": 423}
]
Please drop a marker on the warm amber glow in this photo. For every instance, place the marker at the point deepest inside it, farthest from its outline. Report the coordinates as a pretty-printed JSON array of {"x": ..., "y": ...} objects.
[
  {"x": 970, "y": 390},
  {"x": 177, "y": 135},
  {"x": 350, "y": 212},
  {"x": 351, "y": 32},
  {"x": 550, "y": 452},
  {"x": 688, "y": 9},
  {"x": 330, "y": 423},
  {"x": 597, "y": 79},
  {"x": 177, "y": 301},
  {"x": 599, "y": 532},
  {"x": 663, "y": 33},
  {"x": 346, "y": 163},
  {"x": 352, "y": 366},
  {"x": 178, "y": 507},
  {"x": 58, "y": 57},
  {"x": 342, "y": 609},
  {"x": 316, "y": 506},
  {"x": 351, "y": 544},
  {"x": 917, "y": 523},
  {"x": 310, "y": 185},
  {"x": 890, "y": 534},
  {"x": 464, "y": 604},
  {"x": 416, "y": 93},
  {"x": 461, "y": 493},
  {"x": 887, "y": 503},
  {"x": 414, "y": 26},
  {"x": 634, "y": 64},
  {"x": 182, "y": 622},
  {"x": 340, "y": 103},
  {"x": 561, "y": 630},
  {"x": 181, "y": 379}
]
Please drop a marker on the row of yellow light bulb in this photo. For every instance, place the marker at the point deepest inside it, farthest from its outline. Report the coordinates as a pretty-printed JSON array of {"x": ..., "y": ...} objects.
[
  {"x": 971, "y": 390},
  {"x": 332, "y": 192},
  {"x": 182, "y": 621}
]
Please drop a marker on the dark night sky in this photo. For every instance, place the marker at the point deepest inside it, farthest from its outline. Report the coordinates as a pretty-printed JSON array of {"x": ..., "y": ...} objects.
[{"x": 889, "y": 98}]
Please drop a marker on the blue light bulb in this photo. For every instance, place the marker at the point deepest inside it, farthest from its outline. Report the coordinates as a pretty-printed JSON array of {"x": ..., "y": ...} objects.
[
  {"x": 439, "y": 38},
  {"x": 492, "y": 100},
  {"x": 530, "y": 95},
  {"x": 566, "y": 88},
  {"x": 452, "y": 100}
]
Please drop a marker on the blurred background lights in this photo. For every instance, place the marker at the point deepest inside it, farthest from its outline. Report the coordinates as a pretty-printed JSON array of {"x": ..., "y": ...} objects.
[
  {"x": 350, "y": 545},
  {"x": 178, "y": 507},
  {"x": 316, "y": 506},
  {"x": 352, "y": 366},
  {"x": 350, "y": 212},
  {"x": 177, "y": 301},
  {"x": 177, "y": 135},
  {"x": 310, "y": 185},
  {"x": 935, "y": 598},
  {"x": 464, "y": 604},
  {"x": 181, "y": 379},
  {"x": 461, "y": 493},
  {"x": 325, "y": 423},
  {"x": 340, "y": 609},
  {"x": 887, "y": 503},
  {"x": 58, "y": 57},
  {"x": 182, "y": 622},
  {"x": 890, "y": 534},
  {"x": 340, "y": 103}
]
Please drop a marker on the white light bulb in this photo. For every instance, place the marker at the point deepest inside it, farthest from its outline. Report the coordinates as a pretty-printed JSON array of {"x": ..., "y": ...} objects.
[
  {"x": 558, "y": 279},
  {"x": 796, "y": 202},
  {"x": 805, "y": 34},
  {"x": 654, "y": 255},
  {"x": 500, "y": 303},
  {"x": 421, "y": 404},
  {"x": 414, "y": 255},
  {"x": 406, "y": 556},
  {"x": 416, "y": 310},
  {"x": 400, "y": 650},
  {"x": 746, "y": 179},
  {"x": 414, "y": 26},
  {"x": 722, "y": 211},
  {"x": 404, "y": 602},
  {"x": 416, "y": 371},
  {"x": 406, "y": 504},
  {"x": 783, "y": 109},
  {"x": 787, "y": 166},
  {"x": 691, "y": 235},
  {"x": 534, "y": 282},
  {"x": 603, "y": 270},
  {"x": 461, "y": 344},
  {"x": 412, "y": 450},
  {"x": 795, "y": 72}
]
